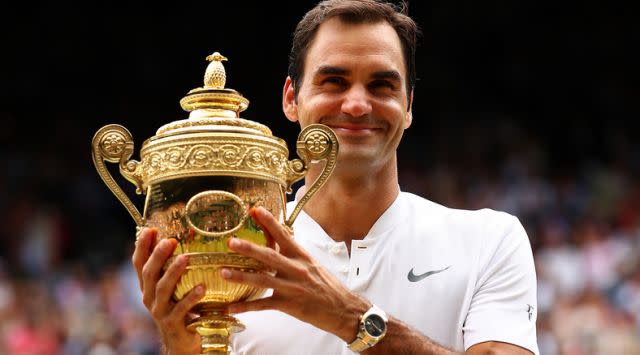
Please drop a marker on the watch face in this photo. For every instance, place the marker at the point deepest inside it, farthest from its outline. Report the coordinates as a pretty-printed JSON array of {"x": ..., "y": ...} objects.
[{"x": 374, "y": 325}]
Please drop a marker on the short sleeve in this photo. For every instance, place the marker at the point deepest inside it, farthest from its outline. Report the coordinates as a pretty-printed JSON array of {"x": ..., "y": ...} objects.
[{"x": 503, "y": 307}]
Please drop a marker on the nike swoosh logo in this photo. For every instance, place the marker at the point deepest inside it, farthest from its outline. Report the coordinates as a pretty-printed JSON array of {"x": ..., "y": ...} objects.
[{"x": 415, "y": 278}]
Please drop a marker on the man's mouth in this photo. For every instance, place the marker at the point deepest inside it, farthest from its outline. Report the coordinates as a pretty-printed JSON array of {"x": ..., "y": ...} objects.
[{"x": 353, "y": 129}]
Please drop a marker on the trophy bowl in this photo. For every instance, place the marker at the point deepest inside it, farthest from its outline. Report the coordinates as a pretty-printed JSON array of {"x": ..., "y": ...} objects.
[{"x": 201, "y": 176}]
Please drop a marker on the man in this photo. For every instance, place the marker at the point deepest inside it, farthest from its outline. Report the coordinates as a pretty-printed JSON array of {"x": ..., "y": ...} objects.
[{"x": 443, "y": 281}]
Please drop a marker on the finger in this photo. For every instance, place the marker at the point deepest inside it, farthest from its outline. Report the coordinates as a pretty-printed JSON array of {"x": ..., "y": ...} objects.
[
  {"x": 167, "y": 283},
  {"x": 152, "y": 268},
  {"x": 143, "y": 250},
  {"x": 255, "y": 305},
  {"x": 270, "y": 241},
  {"x": 259, "y": 280},
  {"x": 181, "y": 309},
  {"x": 270, "y": 225},
  {"x": 266, "y": 255}
]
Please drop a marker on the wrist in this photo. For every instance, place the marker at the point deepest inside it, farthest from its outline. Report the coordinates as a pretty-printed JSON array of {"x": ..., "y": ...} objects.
[
  {"x": 166, "y": 351},
  {"x": 350, "y": 322},
  {"x": 180, "y": 348}
]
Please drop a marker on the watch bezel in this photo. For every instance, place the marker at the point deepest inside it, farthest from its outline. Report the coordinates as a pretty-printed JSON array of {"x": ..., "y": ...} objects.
[{"x": 375, "y": 320}]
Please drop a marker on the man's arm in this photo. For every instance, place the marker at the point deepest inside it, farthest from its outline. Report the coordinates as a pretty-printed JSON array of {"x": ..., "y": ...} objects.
[
  {"x": 306, "y": 290},
  {"x": 497, "y": 348},
  {"x": 401, "y": 339}
]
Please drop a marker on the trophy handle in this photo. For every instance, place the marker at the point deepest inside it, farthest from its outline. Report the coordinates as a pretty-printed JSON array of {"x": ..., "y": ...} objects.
[
  {"x": 213, "y": 198},
  {"x": 316, "y": 142},
  {"x": 114, "y": 144}
]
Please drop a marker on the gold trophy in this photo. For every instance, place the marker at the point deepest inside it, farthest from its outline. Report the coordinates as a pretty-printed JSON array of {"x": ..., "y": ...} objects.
[{"x": 200, "y": 176}]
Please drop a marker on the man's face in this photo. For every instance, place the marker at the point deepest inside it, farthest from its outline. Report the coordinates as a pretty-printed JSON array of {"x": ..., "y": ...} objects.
[{"x": 354, "y": 82}]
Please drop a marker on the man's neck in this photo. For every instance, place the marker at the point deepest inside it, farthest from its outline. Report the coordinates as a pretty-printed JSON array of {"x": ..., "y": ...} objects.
[{"x": 348, "y": 206}]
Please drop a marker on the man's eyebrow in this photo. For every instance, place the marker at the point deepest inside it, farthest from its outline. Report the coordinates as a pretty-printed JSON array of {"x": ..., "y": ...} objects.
[
  {"x": 331, "y": 70},
  {"x": 388, "y": 75},
  {"x": 392, "y": 75}
]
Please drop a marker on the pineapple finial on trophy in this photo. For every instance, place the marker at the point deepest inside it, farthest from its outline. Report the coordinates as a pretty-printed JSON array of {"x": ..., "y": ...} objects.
[{"x": 214, "y": 76}]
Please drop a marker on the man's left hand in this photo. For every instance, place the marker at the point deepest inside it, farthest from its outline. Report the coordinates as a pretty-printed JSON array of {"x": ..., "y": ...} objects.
[{"x": 301, "y": 286}]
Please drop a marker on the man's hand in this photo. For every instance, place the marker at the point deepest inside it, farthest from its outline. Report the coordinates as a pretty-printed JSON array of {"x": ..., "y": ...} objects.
[
  {"x": 301, "y": 287},
  {"x": 158, "y": 287}
]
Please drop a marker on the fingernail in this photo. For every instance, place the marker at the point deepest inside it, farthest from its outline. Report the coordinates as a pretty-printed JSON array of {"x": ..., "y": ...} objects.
[
  {"x": 168, "y": 244},
  {"x": 199, "y": 290},
  {"x": 181, "y": 260},
  {"x": 146, "y": 231},
  {"x": 225, "y": 273},
  {"x": 234, "y": 243}
]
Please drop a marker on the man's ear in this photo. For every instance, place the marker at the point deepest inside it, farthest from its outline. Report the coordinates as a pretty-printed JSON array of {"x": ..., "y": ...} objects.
[
  {"x": 409, "y": 113},
  {"x": 289, "y": 104}
]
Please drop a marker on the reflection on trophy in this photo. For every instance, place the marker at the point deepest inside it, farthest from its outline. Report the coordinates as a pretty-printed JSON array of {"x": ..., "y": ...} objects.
[{"x": 200, "y": 176}]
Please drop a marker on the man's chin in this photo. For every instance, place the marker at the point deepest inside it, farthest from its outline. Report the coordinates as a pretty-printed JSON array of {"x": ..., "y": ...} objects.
[{"x": 356, "y": 158}]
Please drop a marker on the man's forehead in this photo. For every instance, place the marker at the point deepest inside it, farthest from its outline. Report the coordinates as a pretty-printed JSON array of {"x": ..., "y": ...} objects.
[
  {"x": 339, "y": 45},
  {"x": 337, "y": 30}
]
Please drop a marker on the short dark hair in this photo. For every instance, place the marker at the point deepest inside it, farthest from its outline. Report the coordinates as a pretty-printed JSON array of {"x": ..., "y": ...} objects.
[{"x": 354, "y": 12}]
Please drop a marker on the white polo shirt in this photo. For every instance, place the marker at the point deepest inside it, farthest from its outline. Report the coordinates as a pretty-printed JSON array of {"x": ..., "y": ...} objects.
[{"x": 459, "y": 277}]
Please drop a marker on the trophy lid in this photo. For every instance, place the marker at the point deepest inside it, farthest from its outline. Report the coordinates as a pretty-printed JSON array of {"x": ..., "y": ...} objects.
[
  {"x": 214, "y": 107},
  {"x": 214, "y": 140}
]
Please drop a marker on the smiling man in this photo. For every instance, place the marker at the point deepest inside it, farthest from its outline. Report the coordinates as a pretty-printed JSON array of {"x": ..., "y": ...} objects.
[{"x": 372, "y": 269}]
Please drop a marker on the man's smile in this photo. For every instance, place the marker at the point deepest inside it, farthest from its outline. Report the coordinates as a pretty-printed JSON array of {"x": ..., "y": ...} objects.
[
  {"x": 353, "y": 129},
  {"x": 360, "y": 131}
]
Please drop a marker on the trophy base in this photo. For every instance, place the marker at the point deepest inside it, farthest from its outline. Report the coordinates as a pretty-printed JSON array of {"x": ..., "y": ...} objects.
[{"x": 215, "y": 328}]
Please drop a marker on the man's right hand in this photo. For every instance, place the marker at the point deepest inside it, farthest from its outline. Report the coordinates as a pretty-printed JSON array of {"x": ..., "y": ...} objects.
[{"x": 157, "y": 290}]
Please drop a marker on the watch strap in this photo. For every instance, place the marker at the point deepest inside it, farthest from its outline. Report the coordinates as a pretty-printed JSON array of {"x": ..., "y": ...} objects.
[{"x": 358, "y": 346}]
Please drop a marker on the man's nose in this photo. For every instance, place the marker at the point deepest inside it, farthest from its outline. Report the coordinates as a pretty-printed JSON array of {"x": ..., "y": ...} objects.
[{"x": 356, "y": 101}]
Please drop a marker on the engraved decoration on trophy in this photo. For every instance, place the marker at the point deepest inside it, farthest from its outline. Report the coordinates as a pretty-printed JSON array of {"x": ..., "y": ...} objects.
[{"x": 200, "y": 176}]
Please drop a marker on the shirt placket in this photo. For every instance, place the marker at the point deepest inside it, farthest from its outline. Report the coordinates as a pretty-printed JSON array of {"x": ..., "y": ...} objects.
[
  {"x": 359, "y": 264},
  {"x": 339, "y": 256}
]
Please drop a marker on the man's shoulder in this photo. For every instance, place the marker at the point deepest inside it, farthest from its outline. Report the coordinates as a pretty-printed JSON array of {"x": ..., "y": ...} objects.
[
  {"x": 485, "y": 221},
  {"x": 422, "y": 205}
]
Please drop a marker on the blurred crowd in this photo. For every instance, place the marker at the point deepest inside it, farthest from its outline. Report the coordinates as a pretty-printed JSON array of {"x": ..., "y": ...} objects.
[{"x": 67, "y": 285}]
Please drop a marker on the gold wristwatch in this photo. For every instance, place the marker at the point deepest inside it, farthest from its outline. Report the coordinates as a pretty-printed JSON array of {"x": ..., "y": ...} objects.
[{"x": 373, "y": 327}]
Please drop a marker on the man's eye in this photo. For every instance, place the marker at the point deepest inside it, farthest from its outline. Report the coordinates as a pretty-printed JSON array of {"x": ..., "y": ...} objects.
[
  {"x": 334, "y": 81},
  {"x": 381, "y": 84}
]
